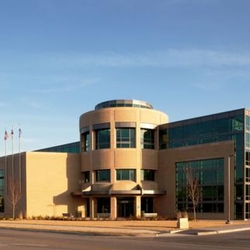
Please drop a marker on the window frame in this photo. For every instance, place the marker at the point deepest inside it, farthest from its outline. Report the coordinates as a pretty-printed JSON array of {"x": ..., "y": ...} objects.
[
  {"x": 147, "y": 138},
  {"x": 147, "y": 172},
  {"x": 100, "y": 143},
  {"x": 105, "y": 175},
  {"x": 126, "y": 174},
  {"x": 125, "y": 137}
]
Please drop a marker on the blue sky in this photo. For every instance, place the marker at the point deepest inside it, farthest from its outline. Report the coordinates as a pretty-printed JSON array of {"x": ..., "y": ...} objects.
[{"x": 59, "y": 58}]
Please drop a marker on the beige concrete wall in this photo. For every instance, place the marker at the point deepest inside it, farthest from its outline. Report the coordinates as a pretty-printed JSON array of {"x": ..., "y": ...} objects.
[
  {"x": 14, "y": 174},
  {"x": 121, "y": 158},
  {"x": 50, "y": 179},
  {"x": 149, "y": 159},
  {"x": 165, "y": 205}
]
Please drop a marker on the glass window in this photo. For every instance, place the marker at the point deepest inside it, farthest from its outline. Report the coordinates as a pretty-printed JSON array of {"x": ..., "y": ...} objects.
[
  {"x": 103, "y": 175},
  {"x": 210, "y": 175},
  {"x": 125, "y": 174},
  {"x": 247, "y": 192},
  {"x": 103, "y": 205},
  {"x": 248, "y": 158},
  {"x": 147, "y": 175},
  {"x": 163, "y": 139},
  {"x": 125, "y": 137},
  {"x": 248, "y": 140},
  {"x": 86, "y": 177},
  {"x": 85, "y": 141},
  {"x": 237, "y": 123},
  {"x": 247, "y": 210},
  {"x": 102, "y": 138},
  {"x": 248, "y": 123},
  {"x": 147, "y": 138},
  {"x": 147, "y": 204},
  {"x": 208, "y": 129}
]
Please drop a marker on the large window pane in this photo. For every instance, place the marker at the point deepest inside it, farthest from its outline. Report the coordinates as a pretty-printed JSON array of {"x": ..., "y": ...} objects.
[
  {"x": 102, "y": 138},
  {"x": 163, "y": 141},
  {"x": 147, "y": 139},
  {"x": 248, "y": 123},
  {"x": 86, "y": 177},
  {"x": 147, "y": 204},
  {"x": 125, "y": 137},
  {"x": 125, "y": 174},
  {"x": 103, "y": 205},
  {"x": 103, "y": 175},
  {"x": 147, "y": 175},
  {"x": 85, "y": 141}
]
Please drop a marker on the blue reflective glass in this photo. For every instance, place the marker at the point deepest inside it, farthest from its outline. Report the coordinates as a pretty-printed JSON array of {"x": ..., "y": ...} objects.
[{"x": 210, "y": 176}]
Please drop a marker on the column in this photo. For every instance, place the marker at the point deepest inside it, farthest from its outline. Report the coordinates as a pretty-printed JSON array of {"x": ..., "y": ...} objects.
[
  {"x": 113, "y": 207},
  {"x": 92, "y": 202},
  {"x": 138, "y": 206}
]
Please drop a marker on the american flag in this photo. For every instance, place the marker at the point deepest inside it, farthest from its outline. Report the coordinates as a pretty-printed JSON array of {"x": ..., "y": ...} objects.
[
  {"x": 19, "y": 132},
  {"x": 6, "y": 136},
  {"x": 12, "y": 133}
]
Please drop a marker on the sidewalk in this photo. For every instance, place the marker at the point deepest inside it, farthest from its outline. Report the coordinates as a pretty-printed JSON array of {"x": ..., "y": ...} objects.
[
  {"x": 127, "y": 228},
  {"x": 86, "y": 230}
]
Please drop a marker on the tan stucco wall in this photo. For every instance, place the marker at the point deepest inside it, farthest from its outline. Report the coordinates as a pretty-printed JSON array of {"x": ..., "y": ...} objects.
[
  {"x": 50, "y": 179},
  {"x": 14, "y": 167},
  {"x": 123, "y": 114},
  {"x": 121, "y": 158},
  {"x": 165, "y": 177},
  {"x": 113, "y": 157}
]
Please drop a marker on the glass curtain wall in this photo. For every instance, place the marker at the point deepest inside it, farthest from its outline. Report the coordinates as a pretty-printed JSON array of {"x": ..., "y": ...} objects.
[
  {"x": 210, "y": 175},
  {"x": 247, "y": 166},
  {"x": 215, "y": 128}
]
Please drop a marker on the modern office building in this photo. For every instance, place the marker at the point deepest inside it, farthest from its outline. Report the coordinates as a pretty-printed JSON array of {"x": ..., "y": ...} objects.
[{"x": 131, "y": 161}]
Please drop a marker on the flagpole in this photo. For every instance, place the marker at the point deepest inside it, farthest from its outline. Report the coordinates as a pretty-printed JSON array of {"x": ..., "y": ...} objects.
[
  {"x": 5, "y": 152},
  {"x": 19, "y": 149},
  {"x": 12, "y": 166}
]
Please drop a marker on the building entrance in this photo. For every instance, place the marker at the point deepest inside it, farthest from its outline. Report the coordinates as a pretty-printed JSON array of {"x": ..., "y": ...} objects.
[{"x": 125, "y": 207}]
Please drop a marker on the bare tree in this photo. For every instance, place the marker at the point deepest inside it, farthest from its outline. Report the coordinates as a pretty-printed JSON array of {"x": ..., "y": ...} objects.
[
  {"x": 193, "y": 188},
  {"x": 14, "y": 193}
]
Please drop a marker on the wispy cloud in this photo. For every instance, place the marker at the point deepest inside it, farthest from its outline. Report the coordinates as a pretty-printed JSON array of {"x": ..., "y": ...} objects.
[
  {"x": 167, "y": 59},
  {"x": 64, "y": 85},
  {"x": 33, "y": 104},
  {"x": 209, "y": 86}
]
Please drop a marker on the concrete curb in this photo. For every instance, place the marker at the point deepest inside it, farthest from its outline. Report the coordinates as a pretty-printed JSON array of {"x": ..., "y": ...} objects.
[
  {"x": 203, "y": 232},
  {"x": 223, "y": 231}
]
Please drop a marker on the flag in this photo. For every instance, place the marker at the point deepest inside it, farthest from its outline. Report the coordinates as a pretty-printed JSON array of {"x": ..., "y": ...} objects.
[
  {"x": 12, "y": 133},
  {"x": 6, "y": 136},
  {"x": 20, "y": 132}
]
